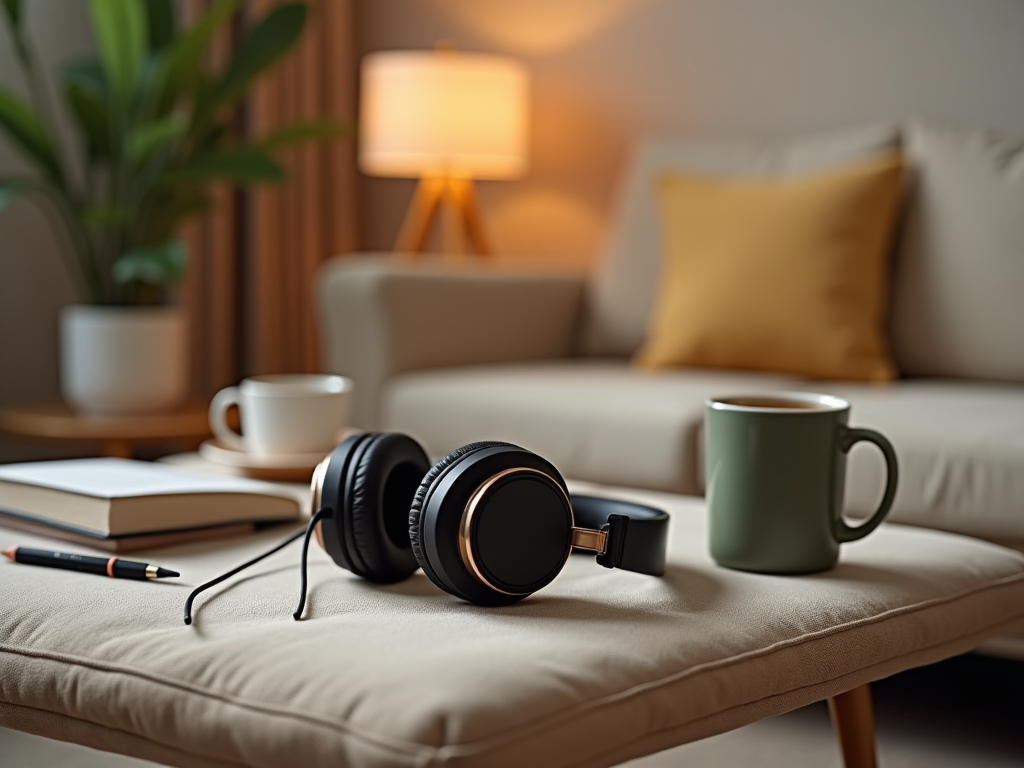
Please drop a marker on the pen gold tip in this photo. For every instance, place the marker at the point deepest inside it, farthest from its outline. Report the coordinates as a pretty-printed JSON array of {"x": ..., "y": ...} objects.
[{"x": 9, "y": 552}]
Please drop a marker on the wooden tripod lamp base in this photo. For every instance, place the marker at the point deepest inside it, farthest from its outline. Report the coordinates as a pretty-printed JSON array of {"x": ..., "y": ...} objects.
[{"x": 454, "y": 201}]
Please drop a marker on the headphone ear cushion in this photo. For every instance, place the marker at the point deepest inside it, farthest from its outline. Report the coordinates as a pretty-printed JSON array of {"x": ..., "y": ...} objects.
[
  {"x": 333, "y": 481},
  {"x": 379, "y": 493},
  {"x": 419, "y": 504}
]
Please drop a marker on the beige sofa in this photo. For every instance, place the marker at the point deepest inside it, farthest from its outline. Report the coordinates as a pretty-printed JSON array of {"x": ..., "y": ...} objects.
[{"x": 452, "y": 354}]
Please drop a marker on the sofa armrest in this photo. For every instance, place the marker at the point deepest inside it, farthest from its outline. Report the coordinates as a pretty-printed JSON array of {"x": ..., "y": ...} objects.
[{"x": 380, "y": 316}]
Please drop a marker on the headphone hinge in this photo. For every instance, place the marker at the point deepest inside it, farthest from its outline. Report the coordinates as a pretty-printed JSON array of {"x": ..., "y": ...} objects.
[
  {"x": 588, "y": 538},
  {"x": 611, "y": 557}
]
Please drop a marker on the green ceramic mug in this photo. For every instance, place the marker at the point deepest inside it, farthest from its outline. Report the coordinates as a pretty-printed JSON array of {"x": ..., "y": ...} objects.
[{"x": 775, "y": 469}]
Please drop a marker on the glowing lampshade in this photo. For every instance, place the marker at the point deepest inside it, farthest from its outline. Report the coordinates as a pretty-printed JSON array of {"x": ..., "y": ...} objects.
[{"x": 442, "y": 113}]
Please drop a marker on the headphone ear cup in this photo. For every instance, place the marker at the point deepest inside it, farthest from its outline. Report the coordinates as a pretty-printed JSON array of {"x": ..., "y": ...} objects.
[
  {"x": 419, "y": 504},
  {"x": 369, "y": 482},
  {"x": 385, "y": 481},
  {"x": 527, "y": 556}
]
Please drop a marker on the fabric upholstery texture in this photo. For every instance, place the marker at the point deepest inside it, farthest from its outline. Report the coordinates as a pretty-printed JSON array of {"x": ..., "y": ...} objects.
[
  {"x": 596, "y": 420},
  {"x": 622, "y": 289},
  {"x": 961, "y": 451},
  {"x": 958, "y": 303},
  {"x": 960, "y": 444},
  {"x": 597, "y": 668},
  {"x": 379, "y": 317},
  {"x": 777, "y": 275}
]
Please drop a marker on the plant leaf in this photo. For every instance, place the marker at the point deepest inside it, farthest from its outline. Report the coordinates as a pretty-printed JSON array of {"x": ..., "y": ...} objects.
[
  {"x": 305, "y": 131},
  {"x": 161, "y": 24},
  {"x": 92, "y": 117},
  {"x": 269, "y": 40},
  {"x": 88, "y": 73},
  {"x": 185, "y": 56},
  {"x": 120, "y": 28},
  {"x": 210, "y": 139},
  {"x": 160, "y": 264},
  {"x": 146, "y": 139},
  {"x": 106, "y": 216},
  {"x": 88, "y": 96},
  {"x": 27, "y": 131},
  {"x": 171, "y": 206},
  {"x": 238, "y": 166},
  {"x": 193, "y": 206},
  {"x": 13, "y": 9},
  {"x": 12, "y": 189}
]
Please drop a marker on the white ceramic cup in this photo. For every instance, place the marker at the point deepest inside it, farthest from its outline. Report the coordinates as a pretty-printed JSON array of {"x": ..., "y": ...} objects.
[{"x": 284, "y": 414}]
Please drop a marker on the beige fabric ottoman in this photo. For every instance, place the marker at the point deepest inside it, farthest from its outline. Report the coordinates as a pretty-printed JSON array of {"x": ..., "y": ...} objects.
[{"x": 598, "y": 668}]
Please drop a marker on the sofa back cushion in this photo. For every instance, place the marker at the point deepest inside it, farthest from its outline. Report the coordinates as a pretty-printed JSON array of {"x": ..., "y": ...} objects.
[
  {"x": 958, "y": 292},
  {"x": 785, "y": 275},
  {"x": 623, "y": 287}
]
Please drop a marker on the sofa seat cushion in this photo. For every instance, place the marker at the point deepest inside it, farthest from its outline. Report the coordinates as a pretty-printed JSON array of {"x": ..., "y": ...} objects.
[
  {"x": 601, "y": 421},
  {"x": 599, "y": 667},
  {"x": 960, "y": 444}
]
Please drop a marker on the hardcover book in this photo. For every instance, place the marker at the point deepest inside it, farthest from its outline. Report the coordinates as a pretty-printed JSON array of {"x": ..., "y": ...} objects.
[{"x": 119, "y": 504}]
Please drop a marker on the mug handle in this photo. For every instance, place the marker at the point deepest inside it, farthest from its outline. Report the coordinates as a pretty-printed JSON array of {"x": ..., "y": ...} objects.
[
  {"x": 843, "y": 531},
  {"x": 218, "y": 418}
]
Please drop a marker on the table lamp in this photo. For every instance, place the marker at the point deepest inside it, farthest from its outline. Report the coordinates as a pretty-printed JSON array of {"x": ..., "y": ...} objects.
[{"x": 446, "y": 118}]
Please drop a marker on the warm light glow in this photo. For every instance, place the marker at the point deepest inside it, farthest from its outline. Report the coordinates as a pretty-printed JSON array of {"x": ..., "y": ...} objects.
[
  {"x": 442, "y": 113},
  {"x": 545, "y": 225},
  {"x": 539, "y": 26}
]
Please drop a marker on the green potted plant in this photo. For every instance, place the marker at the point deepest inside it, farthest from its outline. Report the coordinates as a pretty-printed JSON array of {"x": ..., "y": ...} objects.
[{"x": 152, "y": 121}]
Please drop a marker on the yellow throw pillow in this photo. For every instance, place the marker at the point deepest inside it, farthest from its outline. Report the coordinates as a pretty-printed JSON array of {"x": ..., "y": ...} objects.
[{"x": 785, "y": 275}]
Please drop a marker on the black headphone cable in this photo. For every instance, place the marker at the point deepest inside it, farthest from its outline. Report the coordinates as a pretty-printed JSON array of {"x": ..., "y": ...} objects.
[{"x": 321, "y": 514}]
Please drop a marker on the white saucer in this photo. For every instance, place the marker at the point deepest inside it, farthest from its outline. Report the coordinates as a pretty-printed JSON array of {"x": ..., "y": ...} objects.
[
  {"x": 289, "y": 467},
  {"x": 213, "y": 450},
  {"x": 294, "y": 467}
]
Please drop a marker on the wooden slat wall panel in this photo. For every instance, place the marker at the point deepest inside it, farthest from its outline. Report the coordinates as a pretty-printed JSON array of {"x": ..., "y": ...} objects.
[
  {"x": 255, "y": 258},
  {"x": 223, "y": 242},
  {"x": 338, "y": 206},
  {"x": 311, "y": 187},
  {"x": 211, "y": 289},
  {"x": 264, "y": 316},
  {"x": 222, "y": 299},
  {"x": 193, "y": 296}
]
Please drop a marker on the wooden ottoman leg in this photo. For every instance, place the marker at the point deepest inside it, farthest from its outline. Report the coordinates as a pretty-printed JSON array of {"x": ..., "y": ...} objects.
[{"x": 854, "y": 723}]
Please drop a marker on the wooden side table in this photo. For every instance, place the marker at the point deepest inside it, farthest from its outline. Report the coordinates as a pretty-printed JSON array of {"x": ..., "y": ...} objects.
[{"x": 117, "y": 436}]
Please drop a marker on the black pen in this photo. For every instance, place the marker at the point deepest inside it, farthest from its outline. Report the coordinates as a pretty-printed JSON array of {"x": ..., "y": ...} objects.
[{"x": 114, "y": 567}]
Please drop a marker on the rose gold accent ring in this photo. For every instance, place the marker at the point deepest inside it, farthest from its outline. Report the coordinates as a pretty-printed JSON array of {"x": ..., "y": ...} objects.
[
  {"x": 465, "y": 527},
  {"x": 110, "y": 566}
]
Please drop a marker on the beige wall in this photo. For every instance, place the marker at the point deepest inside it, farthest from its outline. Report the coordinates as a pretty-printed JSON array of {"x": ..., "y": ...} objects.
[
  {"x": 607, "y": 71},
  {"x": 33, "y": 283}
]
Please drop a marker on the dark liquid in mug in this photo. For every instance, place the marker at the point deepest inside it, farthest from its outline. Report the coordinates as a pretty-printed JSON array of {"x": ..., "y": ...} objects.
[{"x": 774, "y": 402}]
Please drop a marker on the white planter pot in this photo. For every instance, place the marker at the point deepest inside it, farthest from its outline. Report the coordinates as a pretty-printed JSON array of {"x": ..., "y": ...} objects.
[{"x": 123, "y": 360}]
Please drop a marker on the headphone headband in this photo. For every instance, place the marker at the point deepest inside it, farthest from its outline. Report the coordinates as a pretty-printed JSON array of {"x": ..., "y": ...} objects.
[{"x": 637, "y": 535}]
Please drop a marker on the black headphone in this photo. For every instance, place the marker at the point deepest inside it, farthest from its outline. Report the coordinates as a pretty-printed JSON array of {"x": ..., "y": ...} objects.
[{"x": 490, "y": 523}]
